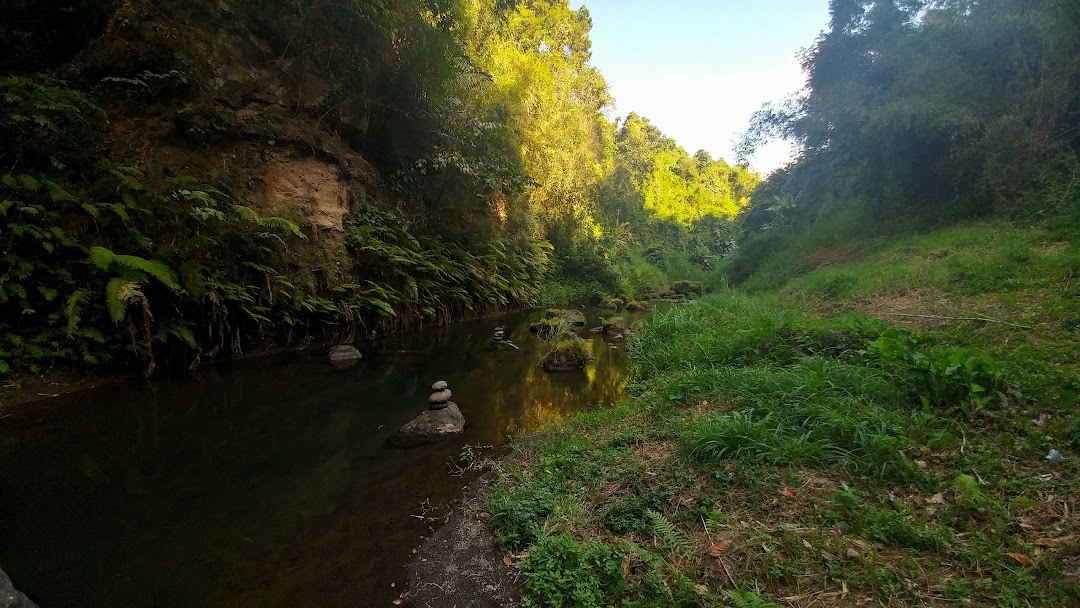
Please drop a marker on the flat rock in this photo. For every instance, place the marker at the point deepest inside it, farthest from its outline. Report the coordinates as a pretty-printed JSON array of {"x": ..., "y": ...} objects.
[
  {"x": 441, "y": 396},
  {"x": 344, "y": 352},
  {"x": 440, "y": 385},
  {"x": 431, "y": 426},
  {"x": 9, "y": 597}
]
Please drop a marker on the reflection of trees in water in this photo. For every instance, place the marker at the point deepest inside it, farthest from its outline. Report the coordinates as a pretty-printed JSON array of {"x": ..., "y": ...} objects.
[
  {"x": 258, "y": 467},
  {"x": 543, "y": 397}
]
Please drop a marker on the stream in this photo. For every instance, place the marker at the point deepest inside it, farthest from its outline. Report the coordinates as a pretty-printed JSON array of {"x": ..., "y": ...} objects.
[{"x": 269, "y": 481}]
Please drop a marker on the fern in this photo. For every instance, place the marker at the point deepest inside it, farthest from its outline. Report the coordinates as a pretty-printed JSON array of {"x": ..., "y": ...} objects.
[
  {"x": 749, "y": 599},
  {"x": 666, "y": 531},
  {"x": 118, "y": 294},
  {"x": 73, "y": 310},
  {"x": 105, "y": 259},
  {"x": 272, "y": 222}
]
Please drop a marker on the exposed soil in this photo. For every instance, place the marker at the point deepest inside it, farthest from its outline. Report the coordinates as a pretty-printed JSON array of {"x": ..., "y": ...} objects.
[{"x": 462, "y": 566}]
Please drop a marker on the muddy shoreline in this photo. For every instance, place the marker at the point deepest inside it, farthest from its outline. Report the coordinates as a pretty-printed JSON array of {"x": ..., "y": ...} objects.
[{"x": 461, "y": 565}]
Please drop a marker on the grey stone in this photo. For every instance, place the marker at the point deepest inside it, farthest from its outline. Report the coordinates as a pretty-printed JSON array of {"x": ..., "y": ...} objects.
[
  {"x": 439, "y": 386},
  {"x": 343, "y": 353},
  {"x": 431, "y": 426},
  {"x": 440, "y": 397},
  {"x": 9, "y": 597}
]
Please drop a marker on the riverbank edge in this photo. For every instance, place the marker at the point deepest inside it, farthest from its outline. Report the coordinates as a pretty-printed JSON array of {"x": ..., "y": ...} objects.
[
  {"x": 29, "y": 392},
  {"x": 462, "y": 565}
]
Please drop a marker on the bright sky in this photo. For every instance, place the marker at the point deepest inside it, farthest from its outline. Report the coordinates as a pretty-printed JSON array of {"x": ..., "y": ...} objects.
[{"x": 699, "y": 68}]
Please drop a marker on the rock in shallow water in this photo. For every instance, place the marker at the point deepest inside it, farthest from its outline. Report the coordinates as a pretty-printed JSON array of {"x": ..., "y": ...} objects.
[
  {"x": 337, "y": 354},
  {"x": 431, "y": 426},
  {"x": 9, "y": 597}
]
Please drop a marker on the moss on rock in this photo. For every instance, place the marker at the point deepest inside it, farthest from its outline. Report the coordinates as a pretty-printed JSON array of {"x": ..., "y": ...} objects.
[{"x": 568, "y": 354}]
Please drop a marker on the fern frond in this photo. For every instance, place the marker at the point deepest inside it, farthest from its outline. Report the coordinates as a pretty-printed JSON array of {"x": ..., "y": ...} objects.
[
  {"x": 666, "y": 531},
  {"x": 73, "y": 310},
  {"x": 101, "y": 257},
  {"x": 105, "y": 259},
  {"x": 749, "y": 599},
  {"x": 118, "y": 293},
  {"x": 155, "y": 268},
  {"x": 280, "y": 223},
  {"x": 273, "y": 222}
]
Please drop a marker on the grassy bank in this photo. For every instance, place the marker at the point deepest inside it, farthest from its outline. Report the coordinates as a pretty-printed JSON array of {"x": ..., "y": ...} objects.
[{"x": 809, "y": 441}]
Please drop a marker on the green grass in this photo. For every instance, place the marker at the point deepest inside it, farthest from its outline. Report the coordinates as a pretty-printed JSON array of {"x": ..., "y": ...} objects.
[{"x": 800, "y": 442}]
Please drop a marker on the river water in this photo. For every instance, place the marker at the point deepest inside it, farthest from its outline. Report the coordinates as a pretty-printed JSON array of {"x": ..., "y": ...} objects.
[{"x": 266, "y": 482}]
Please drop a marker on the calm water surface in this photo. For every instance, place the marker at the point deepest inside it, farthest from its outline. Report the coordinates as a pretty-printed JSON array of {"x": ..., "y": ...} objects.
[{"x": 267, "y": 482}]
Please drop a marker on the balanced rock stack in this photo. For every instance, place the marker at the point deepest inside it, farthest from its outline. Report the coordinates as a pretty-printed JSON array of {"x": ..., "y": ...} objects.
[
  {"x": 442, "y": 420},
  {"x": 498, "y": 340},
  {"x": 441, "y": 397}
]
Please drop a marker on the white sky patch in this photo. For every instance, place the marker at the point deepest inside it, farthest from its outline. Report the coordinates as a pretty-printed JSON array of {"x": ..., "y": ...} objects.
[
  {"x": 698, "y": 69},
  {"x": 710, "y": 112}
]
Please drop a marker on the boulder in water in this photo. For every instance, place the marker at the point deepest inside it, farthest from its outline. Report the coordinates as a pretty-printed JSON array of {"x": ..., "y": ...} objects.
[
  {"x": 614, "y": 325},
  {"x": 431, "y": 426},
  {"x": 9, "y": 597},
  {"x": 612, "y": 303},
  {"x": 637, "y": 305},
  {"x": 572, "y": 316},
  {"x": 339, "y": 354},
  {"x": 566, "y": 355}
]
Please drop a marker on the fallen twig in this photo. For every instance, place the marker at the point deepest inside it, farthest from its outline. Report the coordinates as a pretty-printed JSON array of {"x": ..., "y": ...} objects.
[{"x": 986, "y": 319}]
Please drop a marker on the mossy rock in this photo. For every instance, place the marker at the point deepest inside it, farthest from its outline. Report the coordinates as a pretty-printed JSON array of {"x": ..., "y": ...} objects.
[
  {"x": 637, "y": 305},
  {"x": 570, "y": 315},
  {"x": 615, "y": 325},
  {"x": 688, "y": 288},
  {"x": 545, "y": 328},
  {"x": 612, "y": 303},
  {"x": 566, "y": 355}
]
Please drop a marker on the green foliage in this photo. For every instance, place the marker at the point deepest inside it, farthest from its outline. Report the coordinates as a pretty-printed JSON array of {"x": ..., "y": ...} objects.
[
  {"x": 559, "y": 573},
  {"x": 939, "y": 375},
  {"x": 672, "y": 537},
  {"x": 889, "y": 526},
  {"x": 749, "y": 599},
  {"x": 768, "y": 403},
  {"x": 106, "y": 260},
  {"x": 918, "y": 113},
  {"x": 46, "y": 125}
]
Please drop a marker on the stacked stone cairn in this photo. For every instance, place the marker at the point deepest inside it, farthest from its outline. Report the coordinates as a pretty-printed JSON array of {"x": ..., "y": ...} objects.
[
  {"x": 439, "y": 399},
  {"x": 499, "y": 341},
  {"x": 442, "y": 420}
]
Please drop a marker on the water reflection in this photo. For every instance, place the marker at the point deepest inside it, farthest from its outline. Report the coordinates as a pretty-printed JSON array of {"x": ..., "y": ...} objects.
[{"x": 267, "y": 482}]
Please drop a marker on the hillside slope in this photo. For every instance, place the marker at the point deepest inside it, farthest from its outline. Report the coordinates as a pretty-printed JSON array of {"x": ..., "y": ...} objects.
[{"x": 808, "y": 445}]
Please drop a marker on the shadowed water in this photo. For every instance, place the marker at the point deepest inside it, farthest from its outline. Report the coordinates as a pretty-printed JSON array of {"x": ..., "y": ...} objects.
[{"x": 267, "y": 482}]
